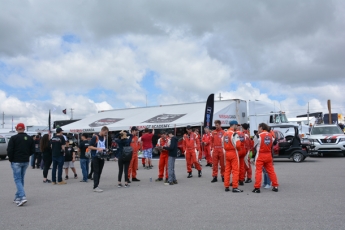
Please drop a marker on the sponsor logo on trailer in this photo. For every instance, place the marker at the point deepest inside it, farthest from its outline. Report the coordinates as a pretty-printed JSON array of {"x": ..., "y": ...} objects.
[
  {"x": 164, "y": 118},
  {"x": 105, "y": 121}
]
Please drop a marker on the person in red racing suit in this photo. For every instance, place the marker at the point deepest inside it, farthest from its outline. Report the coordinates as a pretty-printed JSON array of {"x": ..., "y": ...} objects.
[
  {"x": 264, "y": 158},
  {"x": 217, "y": 151},
  {"x": 189, "y": 147},
  {"x": 232, "y": 145},
  {"x": 206, "y": 146}
]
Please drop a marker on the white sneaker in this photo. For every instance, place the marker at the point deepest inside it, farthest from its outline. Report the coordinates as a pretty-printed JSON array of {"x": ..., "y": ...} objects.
[
  {"x": 22, "y": 202},
  {"x": 267, "y": 186},
  {"x": 97, "y": 190}
]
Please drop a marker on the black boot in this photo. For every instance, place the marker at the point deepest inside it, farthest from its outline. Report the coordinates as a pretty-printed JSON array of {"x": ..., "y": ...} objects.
[
  {"x": 190, "y": 175},
  {"x": 227, "y": 189},
  {"x": 256, "y": 190},
  {"x": 199, "y": 173},
  {"x": 222, "y": 179},
  {"x": 214, "y": 179},
  {"x": 240, "y": 182},
  {"x": 236, "y": 190},
  {"x": 248, "y": 180}
]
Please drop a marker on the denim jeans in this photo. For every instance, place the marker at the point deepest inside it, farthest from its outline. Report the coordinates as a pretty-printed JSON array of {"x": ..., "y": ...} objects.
[
  {"x": 84, "y": 165},
  {"x": 171, "y": 169},
  {"x": 57, "y": 163},
  {"x": 267, "y": 180},
  {"x": 32, "y": 160},
  {"x": 19, "y": 169}
]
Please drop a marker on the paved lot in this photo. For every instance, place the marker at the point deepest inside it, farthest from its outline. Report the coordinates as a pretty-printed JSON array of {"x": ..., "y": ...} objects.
[{"x": 311, "y": 196}]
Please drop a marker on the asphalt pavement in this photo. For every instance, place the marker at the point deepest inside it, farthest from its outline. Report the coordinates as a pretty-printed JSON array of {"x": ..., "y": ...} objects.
[{"x": 311, "y": 196}]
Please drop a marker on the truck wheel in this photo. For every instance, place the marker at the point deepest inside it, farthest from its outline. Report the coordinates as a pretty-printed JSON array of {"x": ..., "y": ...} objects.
[{"x": 297, "y": 157}]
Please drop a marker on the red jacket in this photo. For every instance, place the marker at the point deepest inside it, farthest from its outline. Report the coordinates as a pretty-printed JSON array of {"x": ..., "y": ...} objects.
[
  {"x": 228, "y": 146},
  {"x": 189, "y": 141},
  {"x": 216, "y": 138}
]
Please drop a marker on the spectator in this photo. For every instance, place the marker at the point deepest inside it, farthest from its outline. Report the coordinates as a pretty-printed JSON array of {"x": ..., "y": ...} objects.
[
  {"x": 33, "y": 156},
  {"x": 146, "y": 140},
  {"x": 98, "y": 144},
  {"x": 38, "y": 153},
  {"x": 58, "y": 152},
  {"x": 163, "y": 158},
  {"x": 69, "y": 161},
  {"x": 91, "y": 171},
  {"x": 19, "y": 149},
  {"x": 45, "y": 147},
  {"x": 172, "y": 148},
  {"x": 267, "y": 181},
  {"x": 123, "y": 141},
  {"x": 84, "y": 161}
]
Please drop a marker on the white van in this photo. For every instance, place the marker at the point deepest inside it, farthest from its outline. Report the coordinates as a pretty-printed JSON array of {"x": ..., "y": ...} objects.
[{"x": 4, "y": 139}]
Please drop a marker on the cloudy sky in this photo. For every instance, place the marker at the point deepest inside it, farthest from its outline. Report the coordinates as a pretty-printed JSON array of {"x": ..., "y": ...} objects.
[{"x": 95, "y": 55}]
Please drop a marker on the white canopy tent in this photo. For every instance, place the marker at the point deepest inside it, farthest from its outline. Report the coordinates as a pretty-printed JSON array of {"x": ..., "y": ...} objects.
[{"x": 161, "y": 117}]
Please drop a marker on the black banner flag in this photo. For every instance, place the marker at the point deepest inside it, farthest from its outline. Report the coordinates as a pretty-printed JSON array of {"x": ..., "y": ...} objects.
[{"x": 209, "y": 110}]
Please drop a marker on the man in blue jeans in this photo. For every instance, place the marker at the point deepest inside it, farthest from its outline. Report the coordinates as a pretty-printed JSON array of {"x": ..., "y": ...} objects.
[
  {"x": 58, "y": 153},
  {"x": 84, "y": 161},
  {"x": 19, "y": 149}
]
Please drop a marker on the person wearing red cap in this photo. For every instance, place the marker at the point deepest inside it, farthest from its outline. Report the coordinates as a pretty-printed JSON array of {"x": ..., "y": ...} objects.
[
  {"x": 20, "y": 147},
  {"x": 232, "y": 145},
  {"x": 189, "y": 147},
  {"x": 217, "y": 151},
  {"x": 264, "y": 158},
  {"x": 133, "y": 165}
]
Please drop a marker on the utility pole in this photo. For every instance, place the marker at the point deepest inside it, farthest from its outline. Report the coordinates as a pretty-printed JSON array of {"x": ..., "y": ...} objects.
[
  {"x": 3, "y": 120},
  {"x": 146, "y": 100},
  {"x": 220, "y": 96},
  {"x": 308, "y": 114},
  {"x": 72, "y": 114}
]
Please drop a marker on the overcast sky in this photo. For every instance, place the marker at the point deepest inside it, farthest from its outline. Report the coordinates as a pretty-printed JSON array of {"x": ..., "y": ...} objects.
[{"x": 98, "y": 55}]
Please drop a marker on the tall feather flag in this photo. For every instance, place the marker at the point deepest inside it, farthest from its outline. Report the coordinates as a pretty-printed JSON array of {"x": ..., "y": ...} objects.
[{"x": 209, "y": 109}]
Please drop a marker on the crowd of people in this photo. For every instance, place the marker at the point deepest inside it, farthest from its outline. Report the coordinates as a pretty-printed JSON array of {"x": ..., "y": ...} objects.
[{"x": 229, "y": 152}]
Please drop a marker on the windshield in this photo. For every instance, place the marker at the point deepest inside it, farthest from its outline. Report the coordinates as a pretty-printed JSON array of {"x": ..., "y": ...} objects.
[
  {"x": 326, "y": 130},
  {"x": 280, "y": 118},
  {"x": 2, "y": 140}
]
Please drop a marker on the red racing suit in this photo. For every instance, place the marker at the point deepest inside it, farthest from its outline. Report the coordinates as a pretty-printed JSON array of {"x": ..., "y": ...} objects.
[
  {"x": 232, "y": 164},
  {"x": 264, "y": 159},
  {"x": 163, "y": 158},
  {"x": 217, "y": 151},
  {"x": 249, "y": 146},
  {"x": 206, "y": 145},
  {"x": 189, "y": 146},
  {"x": 133, "y": 165}
]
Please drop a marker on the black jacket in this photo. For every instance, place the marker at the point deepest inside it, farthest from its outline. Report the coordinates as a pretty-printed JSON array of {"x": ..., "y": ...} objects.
[
  {"x": 173, "y": 147},
  {"x": 122, "y": 143},
  {"x": 20, "y": 148}
]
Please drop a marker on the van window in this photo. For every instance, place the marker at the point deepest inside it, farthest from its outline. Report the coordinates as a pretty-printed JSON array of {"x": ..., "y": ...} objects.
[{"x": 2, "y": 140}]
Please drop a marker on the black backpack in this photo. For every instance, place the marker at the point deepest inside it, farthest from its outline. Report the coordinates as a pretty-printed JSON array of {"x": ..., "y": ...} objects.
[{"x": 127, "y": 153}]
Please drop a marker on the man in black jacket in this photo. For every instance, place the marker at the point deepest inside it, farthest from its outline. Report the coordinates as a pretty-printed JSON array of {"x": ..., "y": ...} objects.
[
  {"x": 172, "y": 157},
  {"x": 20, "y": 147}
]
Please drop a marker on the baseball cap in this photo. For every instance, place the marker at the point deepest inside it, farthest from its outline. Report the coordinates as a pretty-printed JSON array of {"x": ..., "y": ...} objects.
[
  {"x": 134, "y": 128},
  {"x": 59, "y": 130},
  {"x": 189, "y": 127},
  {"x": 20, "y": 126},
  {"x": 233, "y": 122}
]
